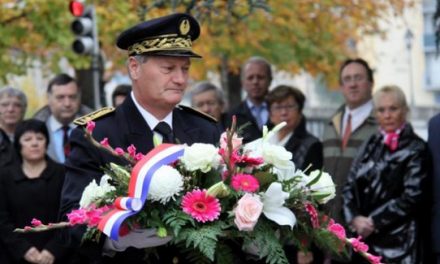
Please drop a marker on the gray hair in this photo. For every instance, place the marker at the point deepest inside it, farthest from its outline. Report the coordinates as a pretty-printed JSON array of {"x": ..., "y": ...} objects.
[
  {"x": 206, "y": 86},
  {"x": 14, "y": 92},
  {"x": 394, "y": 90},
  {"x": 257, "y": 60}
]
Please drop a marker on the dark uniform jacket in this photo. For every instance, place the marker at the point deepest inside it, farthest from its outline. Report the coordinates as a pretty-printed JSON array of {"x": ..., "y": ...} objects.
[
  {"x": 122, "y": 127},
  {"x": 390, "y": 188},
  {"x": 244, "y": 116}
]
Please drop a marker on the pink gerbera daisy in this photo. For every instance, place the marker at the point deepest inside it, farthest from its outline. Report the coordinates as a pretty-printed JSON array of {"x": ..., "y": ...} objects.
[
  {"x": 201, "y": 206},
  {"x": 245, "y": 182}
]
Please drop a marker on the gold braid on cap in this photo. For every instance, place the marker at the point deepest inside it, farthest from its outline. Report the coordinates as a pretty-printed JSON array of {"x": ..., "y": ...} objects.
[{"x": 165, "y": 42}]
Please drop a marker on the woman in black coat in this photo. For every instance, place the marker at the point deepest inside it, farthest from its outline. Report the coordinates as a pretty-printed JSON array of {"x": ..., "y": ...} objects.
[
  {"x": 285, "y": 105},
  {"x": 30, "y": 189},
  {"x": 385, "y": 189}
]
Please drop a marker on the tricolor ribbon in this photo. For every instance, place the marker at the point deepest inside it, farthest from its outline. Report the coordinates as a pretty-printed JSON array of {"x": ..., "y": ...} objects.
[{"x": 138, "y": 187}]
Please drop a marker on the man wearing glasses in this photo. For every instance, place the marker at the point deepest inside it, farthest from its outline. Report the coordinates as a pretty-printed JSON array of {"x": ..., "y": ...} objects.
[{"x": 349, "y": 126}]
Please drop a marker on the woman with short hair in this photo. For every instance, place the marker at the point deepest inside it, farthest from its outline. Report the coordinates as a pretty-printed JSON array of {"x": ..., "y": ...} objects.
[
  {"x": 385, "y": 190},
  {"x": 30, "y": 189},
  {"x": 285, "y": 105}
]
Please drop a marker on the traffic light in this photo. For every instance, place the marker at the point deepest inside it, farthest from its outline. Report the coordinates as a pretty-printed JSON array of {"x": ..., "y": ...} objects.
[{"x": 84, "y": 27}]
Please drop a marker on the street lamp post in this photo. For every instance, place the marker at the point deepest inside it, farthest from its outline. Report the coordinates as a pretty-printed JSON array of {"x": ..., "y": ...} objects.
[{"x": 408, "y": 40}]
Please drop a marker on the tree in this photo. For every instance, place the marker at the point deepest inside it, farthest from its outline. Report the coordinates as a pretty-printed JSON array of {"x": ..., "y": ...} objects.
[{"x": 310, "y": 35}]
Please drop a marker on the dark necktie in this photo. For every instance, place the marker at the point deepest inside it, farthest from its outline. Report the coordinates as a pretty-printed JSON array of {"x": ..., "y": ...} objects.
[
  {"x": 165, "y": 130},
  {"x": 66, "y": 144}
]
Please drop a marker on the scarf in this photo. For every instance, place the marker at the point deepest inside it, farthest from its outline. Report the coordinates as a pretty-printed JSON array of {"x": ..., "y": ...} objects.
[{"x": 391, "y": 139}]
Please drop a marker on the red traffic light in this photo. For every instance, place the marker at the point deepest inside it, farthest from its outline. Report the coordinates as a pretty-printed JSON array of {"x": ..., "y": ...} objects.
[{"x": 76, "y": 8}]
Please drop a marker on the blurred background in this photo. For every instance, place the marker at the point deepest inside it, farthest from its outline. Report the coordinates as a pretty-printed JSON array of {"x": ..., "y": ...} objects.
[{"x": 305, "y": 40}]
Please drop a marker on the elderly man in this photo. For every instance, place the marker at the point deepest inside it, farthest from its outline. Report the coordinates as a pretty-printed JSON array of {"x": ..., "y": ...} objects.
[
  {"x": 256, "y": 77},
  {"x": 209, "y": 99},
  {"x": 63, "y": 106},
  {"x": 159, "y": 75},
  {"x": 13, "y": 105}
]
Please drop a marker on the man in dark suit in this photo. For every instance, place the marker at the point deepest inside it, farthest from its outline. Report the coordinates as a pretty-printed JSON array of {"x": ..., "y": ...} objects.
[
  {"x": 159, "y": 74},
  {"x": 434, "y": 144},
  {"x": 256, "y": 77}
]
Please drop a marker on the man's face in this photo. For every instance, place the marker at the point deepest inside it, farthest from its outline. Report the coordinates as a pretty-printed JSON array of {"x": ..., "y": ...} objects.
[
  {"x": 355, "y": 85},
  {"x": 255, "y": 81},
  {"x": 159, "y": 83},
  {"x": 207, "y": 102},
  {"x": 11, "y": 110},
  {"x": 64, "y": 102}
]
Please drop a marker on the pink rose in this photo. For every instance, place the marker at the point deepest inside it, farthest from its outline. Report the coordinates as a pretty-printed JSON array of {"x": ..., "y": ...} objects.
[
  {"x": 236, "y": 141},
  {"x": 247, "y": 212}
]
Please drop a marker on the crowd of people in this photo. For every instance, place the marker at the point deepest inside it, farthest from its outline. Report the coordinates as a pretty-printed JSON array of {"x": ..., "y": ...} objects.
[{"x": 384, "y": 173}]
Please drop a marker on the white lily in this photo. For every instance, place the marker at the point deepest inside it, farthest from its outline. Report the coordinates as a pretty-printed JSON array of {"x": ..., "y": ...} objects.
[{"x": 273, "y": 201}]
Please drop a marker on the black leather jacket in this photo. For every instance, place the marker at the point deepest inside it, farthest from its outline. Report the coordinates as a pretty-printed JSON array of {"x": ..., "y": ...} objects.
[{"x": 389, "y": 187}]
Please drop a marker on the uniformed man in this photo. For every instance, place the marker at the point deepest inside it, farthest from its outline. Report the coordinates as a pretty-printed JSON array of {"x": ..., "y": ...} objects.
[{"x": 159, "y": 53}]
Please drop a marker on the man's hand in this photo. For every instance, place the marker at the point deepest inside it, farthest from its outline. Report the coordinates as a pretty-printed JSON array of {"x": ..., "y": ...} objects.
[
  {"x": 46, "y": 257},
  {"x": 32, "y": 255},
  {"x": 138, "y": 238},
  {"x": 363, "y": 226}
]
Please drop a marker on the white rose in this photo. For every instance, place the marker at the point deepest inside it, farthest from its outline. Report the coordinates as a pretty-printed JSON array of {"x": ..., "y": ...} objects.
[
  {"x": 94, "y": 192},
  {"x": 324, "y": 188},
  {"x": 277, "y": 156},
  {"x": 201, "y": 156},
  {"x": 166, "y": 183}
]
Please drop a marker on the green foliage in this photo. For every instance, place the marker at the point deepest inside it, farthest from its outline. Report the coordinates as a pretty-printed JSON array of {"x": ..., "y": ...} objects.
[
  {"x": 176, "y": 219},
  {"x": 267, "y": 241},
  {"x": 204, "y": 238}
]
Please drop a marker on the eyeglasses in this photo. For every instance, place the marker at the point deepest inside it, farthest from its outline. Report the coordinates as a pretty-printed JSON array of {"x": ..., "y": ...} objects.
[
  {"x": 353, "y": 78},
  {"x": 279, "y": 108}
]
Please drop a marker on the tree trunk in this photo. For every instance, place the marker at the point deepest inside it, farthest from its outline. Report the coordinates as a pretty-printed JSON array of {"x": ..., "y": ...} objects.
[{"x": 230, "y": 81}]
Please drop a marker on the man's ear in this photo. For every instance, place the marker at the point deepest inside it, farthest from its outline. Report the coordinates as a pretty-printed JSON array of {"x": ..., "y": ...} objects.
[{"x": 133, "y": 68}]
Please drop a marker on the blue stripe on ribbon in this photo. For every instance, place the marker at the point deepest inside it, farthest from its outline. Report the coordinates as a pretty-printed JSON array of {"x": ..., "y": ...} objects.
[
  {"x": 149, "y": 176},
  {"x": 114, "y": 233}
]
